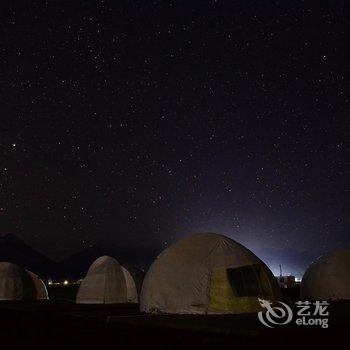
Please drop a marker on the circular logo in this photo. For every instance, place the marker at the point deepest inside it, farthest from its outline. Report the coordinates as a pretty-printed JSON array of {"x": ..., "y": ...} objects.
[{"x": 279, "y": 314}]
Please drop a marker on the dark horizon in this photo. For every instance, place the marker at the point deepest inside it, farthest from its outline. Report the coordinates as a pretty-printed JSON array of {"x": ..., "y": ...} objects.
[
  {"x": 75, "y": 264},
  {"x": 134, "y": 124}
]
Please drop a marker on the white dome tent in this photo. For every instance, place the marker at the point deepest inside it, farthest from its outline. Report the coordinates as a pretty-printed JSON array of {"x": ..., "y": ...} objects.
[
  {"x": 15, "y": 283},
  {"x": 107, "y": 282},
  {"x": 40, "y": 287},
  {"x": 328, "y": 278},
  {"x": 207, "y": 274}
]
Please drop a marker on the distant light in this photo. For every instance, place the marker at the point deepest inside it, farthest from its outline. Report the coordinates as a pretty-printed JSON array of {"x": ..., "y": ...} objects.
[
  {"x": 50, "y": 282},
  {"x": 65, "y": 282}
]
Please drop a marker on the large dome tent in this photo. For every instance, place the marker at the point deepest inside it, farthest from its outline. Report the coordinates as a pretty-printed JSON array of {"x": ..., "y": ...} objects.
[
  {"x": 207, "y": 274},
  {"x": 328, "y": 278},
  {"x": 15, "y": 283},
  {"x": 107, "y": 282}
]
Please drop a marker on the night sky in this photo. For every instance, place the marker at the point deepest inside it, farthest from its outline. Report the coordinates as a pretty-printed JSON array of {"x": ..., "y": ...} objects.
[{"x": 139, "y": 122}]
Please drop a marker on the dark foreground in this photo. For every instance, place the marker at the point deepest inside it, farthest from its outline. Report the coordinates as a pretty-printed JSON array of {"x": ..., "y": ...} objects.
[{"x": 61, "y": 324}]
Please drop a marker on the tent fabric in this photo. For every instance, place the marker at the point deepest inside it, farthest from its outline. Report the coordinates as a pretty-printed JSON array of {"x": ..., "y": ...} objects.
[
  {"x": 106, "y": 283},
  {"x": 137, "y": 274},
  {"x": 15, "y": 283},
  {"x": 328, "y": 278},
  {"x": 131, "y": 292},
  {"x": 207, "y": 274},
  {"x": 40, "y": 287}
]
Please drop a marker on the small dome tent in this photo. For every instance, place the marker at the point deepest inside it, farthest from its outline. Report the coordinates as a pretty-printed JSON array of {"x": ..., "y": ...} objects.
[
  {"x": 107, "y": 282},
  {"x": 131, "y": 291},
  {"x": 40, "y": 287},
  {"x": 15, "y": 283},
  {"x": 328, "y": 278},
  {"x": 137, "y": 274},
  {"x": 207, "y": 274}
]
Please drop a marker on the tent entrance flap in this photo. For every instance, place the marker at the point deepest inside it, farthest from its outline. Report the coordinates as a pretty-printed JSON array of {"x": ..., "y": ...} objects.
[
  {"x": 235, "y": 290},
  {"x": 244, "y": 281}
]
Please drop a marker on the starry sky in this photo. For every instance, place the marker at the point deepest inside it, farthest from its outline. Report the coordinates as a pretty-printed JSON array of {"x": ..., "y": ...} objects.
[{"x": 140, "y": 122}]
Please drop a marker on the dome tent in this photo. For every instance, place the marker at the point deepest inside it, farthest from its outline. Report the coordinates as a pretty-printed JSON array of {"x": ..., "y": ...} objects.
[
  {"x": 328, "y": 277},
  {"x": 131, "y": 291},
  {"x": 40, "y": 287},
  {"x": 207, "y": 274},
  {"x": 137, "y": 274},
  {"x": 107, "y": 282},
  {"x": 15, "y": 283}
]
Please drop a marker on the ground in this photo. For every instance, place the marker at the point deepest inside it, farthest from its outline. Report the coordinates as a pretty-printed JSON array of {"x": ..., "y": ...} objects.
[{"x": 61, "y": 323}]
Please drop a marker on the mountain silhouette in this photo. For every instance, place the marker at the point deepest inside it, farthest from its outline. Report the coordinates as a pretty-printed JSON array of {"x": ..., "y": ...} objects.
[
  {"x": 13, "y": 249},
  {"x": 138, "y": 256}
]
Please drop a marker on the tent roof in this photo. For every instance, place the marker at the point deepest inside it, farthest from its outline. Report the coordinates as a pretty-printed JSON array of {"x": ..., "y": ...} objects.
[
  {"x": 207, "y": 248},
  {"x": 328, "y": 277},
  {"x": 178, "y": 280},
  {"x": 8, "y": 269},
  {"x": 103, "y": 264}
]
